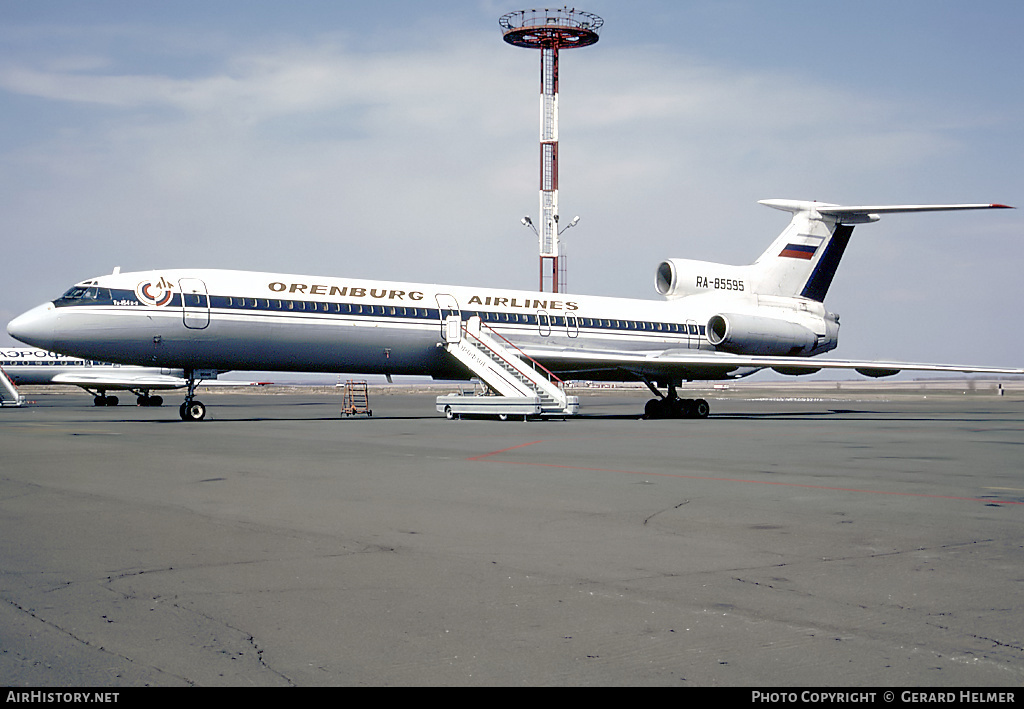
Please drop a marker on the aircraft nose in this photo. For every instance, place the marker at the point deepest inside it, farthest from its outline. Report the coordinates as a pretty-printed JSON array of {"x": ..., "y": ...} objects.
[{"x": 34, "y": 327}]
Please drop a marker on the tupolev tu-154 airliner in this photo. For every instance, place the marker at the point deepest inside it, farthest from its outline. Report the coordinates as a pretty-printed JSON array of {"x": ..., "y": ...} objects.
[{"x": 715, "y": 322}]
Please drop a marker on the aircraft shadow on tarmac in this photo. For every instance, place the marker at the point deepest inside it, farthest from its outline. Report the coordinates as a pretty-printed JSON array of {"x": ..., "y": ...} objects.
[
  {"x": 224, "y": 412},
  {"x": 831, "y": 414}
]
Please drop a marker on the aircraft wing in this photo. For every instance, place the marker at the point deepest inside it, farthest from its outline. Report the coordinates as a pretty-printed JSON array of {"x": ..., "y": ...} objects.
[
  {"x": 113, "y": 380},
  {"x": 699, "y": 364}
]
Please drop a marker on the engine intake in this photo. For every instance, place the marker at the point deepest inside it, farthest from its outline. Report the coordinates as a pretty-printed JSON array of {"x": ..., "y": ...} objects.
[
  {"x": 678, "y": 277},
  {"x": 751, "y": 334}
]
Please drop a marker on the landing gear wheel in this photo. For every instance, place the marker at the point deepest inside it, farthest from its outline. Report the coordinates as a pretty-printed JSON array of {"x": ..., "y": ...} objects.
[
  {"x": 192, "y": 411},
  {"x": 449, "y": 414},
  {"x": 654, "y": 409},
  {"x": 677, "y": 409},
  {"x": 701, "y": 409},
  {"x": 683, "y": 408}
]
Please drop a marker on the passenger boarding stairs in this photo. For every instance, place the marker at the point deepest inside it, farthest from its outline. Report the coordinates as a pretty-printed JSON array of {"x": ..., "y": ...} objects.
[
  {"x": 9, "y": 395},
  {"x": 522, "y": 386}
]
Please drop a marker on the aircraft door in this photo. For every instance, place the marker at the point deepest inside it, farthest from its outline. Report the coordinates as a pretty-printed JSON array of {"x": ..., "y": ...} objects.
[
  {"x": 543, "y": 323},
  {"x": 572, "y": 325},
  {"x": 195, "y": 303},
  {"x": 692, "y": 335},
  {"x": 451, "y": 318}
]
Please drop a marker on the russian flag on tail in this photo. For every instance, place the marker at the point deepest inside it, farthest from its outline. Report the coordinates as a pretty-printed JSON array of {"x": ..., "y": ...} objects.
[{"x": 801, "y": 251}]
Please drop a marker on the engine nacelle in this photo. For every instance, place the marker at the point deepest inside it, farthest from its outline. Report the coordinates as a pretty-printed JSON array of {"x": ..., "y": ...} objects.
[
  {"x": 677, "y": 277},
  {"x": 753, "y": 334}
]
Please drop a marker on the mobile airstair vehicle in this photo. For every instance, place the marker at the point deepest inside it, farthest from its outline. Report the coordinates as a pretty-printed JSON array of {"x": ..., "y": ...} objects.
[
  {"x": 517, "y": 386},
  {"x": 9, "y": 395}
]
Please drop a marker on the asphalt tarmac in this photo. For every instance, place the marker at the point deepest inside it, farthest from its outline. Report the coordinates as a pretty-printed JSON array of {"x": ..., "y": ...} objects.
[{"x": 818, "y": 542}]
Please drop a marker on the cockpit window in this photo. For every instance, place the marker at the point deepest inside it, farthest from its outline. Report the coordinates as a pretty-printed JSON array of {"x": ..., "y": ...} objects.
[
  {"x": 85, "y": 295},
  {"x": 74, "y": 293}
]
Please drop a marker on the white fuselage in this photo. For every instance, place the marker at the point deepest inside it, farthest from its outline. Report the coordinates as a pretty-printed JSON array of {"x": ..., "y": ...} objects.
[
  {"x": 716, "y": 322},
  {"x": 213, "y": 319}
]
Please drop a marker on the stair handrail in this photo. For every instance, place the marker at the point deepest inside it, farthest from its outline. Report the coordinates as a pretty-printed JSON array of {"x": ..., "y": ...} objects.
[
  {"x": 551, "y": 375},
  {"x": 12, "y": 390}
]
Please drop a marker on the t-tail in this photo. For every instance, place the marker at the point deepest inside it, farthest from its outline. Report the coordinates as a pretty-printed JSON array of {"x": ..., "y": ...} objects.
[{"x": 801, "y": 262}]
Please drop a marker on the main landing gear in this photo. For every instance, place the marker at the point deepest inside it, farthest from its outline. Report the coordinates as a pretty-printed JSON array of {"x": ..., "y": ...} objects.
[
  {"x": 670, "y": 406},
  {"x": 192, "y": 410},
  {"x": 100, "y": 398}
]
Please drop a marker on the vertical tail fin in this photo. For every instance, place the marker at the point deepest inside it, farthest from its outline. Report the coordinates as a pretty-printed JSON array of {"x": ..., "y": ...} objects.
[{"x": 803, "y": 259}]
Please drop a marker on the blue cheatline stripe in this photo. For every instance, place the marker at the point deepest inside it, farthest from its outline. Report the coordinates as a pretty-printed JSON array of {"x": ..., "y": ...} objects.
[{"x": 290, "y": 307}]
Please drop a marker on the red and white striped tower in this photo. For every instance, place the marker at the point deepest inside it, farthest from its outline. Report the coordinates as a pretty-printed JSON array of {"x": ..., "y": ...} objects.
[{"x": 549, "y": 30}]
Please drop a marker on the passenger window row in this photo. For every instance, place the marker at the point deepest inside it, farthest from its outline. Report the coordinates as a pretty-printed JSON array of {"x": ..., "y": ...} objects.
[
  {"x": 559, "y": 321},
  {"x": 92, "y": 295}
]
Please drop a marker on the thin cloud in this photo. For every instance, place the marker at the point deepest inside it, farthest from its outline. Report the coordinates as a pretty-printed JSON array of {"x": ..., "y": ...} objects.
[{"x": 315, "y": 153}]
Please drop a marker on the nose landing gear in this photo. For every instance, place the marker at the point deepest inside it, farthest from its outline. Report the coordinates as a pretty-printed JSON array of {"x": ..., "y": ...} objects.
[{"x": 192, "y": 410}]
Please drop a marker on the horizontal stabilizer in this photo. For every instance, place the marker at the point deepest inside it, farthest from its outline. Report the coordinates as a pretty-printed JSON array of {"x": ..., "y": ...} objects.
[
  {"x": 803, "y": 260},
  {"x": 862, "y": 214}
]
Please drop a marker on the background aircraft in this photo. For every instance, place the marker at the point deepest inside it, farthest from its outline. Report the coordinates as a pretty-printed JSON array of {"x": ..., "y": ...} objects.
[{"x": 95, "y": 377}]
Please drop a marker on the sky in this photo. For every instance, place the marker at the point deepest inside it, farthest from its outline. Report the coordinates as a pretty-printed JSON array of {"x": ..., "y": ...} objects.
[{"x": 397, "y": 140}]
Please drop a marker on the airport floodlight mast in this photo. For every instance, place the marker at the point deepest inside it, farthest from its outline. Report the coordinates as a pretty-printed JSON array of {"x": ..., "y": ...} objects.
[{"x": 549, "y": 30}]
